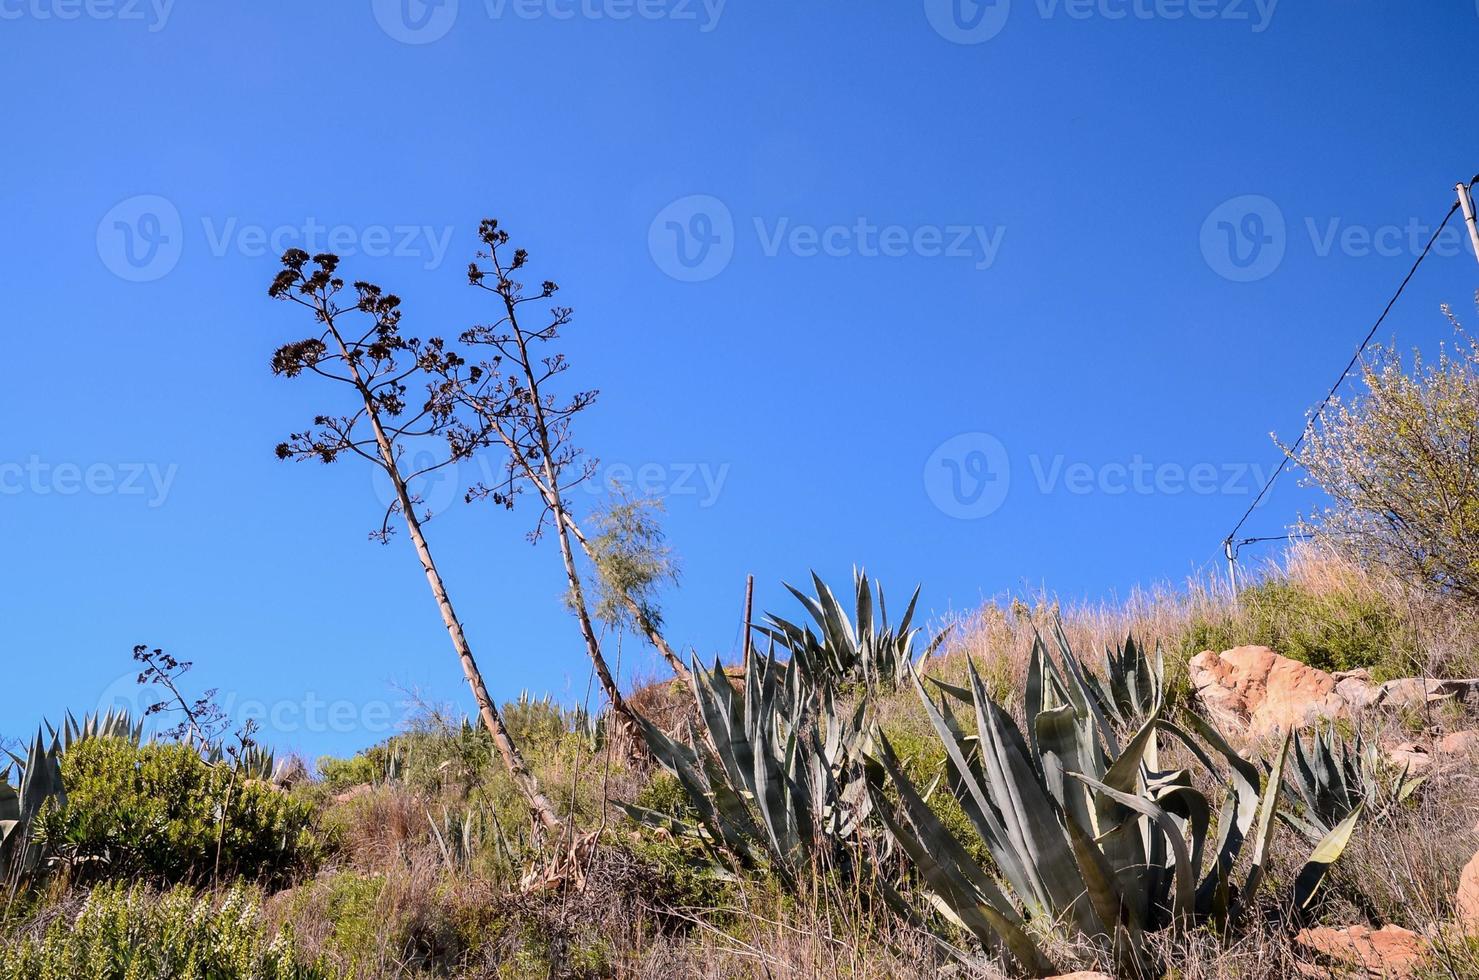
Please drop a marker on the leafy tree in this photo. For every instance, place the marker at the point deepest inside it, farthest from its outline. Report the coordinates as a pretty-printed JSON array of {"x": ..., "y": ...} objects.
[{"x": 1401, "y": 465}]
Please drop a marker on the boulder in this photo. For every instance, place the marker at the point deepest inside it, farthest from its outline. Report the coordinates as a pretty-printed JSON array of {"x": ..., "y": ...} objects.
[
  {"x": 1255, "y": 690},
  {"x": 1390, "y": 951},
  {"x": 354, "y": 793},
  {"x": 1355, "y": 687},
  {"x": 1417, "y": 692},
  {"x": 1443, "y": 752},
  {"x": 1466, "y": 904}
]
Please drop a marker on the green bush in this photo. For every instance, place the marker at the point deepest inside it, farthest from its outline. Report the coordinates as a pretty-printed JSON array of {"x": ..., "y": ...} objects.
[
  {"x": 156, "y": 811},
  {"x": 683, "y": 872},
  {"x": 1329, "y": 629},
  {"x": 139, "y": 934},
  {"x": 367, "y": 767}
]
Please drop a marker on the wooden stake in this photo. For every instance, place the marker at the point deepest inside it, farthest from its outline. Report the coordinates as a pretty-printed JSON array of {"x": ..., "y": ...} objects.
[{"x": 749, "y": 610}]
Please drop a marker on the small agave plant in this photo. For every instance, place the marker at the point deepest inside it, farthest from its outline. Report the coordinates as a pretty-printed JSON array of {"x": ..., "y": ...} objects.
[
  {"x": 1135, "y": 682},
  {"x": 1333, "y": 778},
  {"x": 851, "y": 644},
  {"x": 38, "y": 781},
  {"x": 776, "y": 779},
  {"x": 1092, "y": 840}
]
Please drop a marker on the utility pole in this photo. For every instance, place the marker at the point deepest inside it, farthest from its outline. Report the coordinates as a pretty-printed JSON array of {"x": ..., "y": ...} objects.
[
  {"x": 1466, "y": 201},
  {"x": 749, "y": 609},
  {"x": 1232, "y": 569}
]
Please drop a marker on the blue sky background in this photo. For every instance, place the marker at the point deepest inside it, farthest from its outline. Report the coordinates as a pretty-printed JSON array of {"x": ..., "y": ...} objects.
[{"x": 829, "y": 398}]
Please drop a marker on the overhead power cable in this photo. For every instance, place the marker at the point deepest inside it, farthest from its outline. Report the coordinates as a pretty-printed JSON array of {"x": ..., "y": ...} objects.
[{"x": 1230, "y": 545}]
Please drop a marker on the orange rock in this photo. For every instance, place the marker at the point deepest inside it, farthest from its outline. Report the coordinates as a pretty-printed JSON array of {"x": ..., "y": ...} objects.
[
  {"x": 1444, "y": 753},
  {"x": 354, "y": 793},
  {"x": 1459, "y": 743},
  {"x": 1390, "y": 951},
  {"x": 1467, "y": 902},
  {"x": 1256, "y": 690}
]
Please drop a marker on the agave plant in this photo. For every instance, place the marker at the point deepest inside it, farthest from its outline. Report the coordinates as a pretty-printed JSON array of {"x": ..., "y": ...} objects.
[
  {"x": 1334, "y": 778},
  {"x": 851, "y": 645},
  {"x": 1092, "y": 840},
  {"x": 115, "y": 723},
  {"x": 776, "y": 780},
  {"x": 1134, "y": 681},
  {"x": 456, "y": 839},
  {"x": 39, "y": 780}
]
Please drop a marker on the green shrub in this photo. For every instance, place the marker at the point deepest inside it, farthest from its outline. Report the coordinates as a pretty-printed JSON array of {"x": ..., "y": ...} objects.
[
  {"x": 156, "y": 811},
  {"x": 139, "y": 934},
  {"x": 682, "y": 868},
  {"x": 367, "y": 767},
  {"x": 1332, "y": 629}
]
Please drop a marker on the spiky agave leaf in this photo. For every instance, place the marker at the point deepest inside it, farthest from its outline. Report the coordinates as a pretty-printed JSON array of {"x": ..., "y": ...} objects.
[
  {"x": 40, "y": 782},
  {"x": 1092, "y": 842},
  {"x": 854, "y": 643},
  {"x": 775, "y": 778},
  {"x": 1332, "y": 778}
]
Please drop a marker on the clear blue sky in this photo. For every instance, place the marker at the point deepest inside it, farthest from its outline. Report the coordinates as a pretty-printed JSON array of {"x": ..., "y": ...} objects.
[{"x": 854, "y": 291}]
